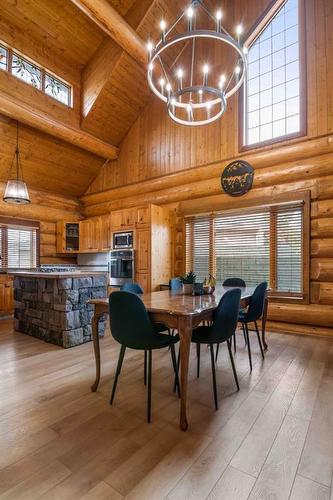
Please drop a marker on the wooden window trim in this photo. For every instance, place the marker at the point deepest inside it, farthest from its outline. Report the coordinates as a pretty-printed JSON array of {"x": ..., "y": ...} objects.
[
  {"x": 297, "y": 197},
  {"x": 251, "y": 36}
]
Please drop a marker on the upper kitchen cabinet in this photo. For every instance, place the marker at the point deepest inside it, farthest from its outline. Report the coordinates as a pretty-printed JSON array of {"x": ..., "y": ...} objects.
[
  {"x": 130, "y": 218},
  {"x": 89, "y": 235},
  {"x": 68, "y": 236},
  {"x": 86, "y": 236}
]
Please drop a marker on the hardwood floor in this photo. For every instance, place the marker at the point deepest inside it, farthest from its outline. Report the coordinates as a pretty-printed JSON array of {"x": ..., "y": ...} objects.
[{"x": 271, "y": 440}]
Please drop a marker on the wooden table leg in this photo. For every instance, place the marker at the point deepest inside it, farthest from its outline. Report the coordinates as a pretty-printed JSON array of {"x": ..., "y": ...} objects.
[
  {"x": 97, "y": 352},
  {"x": 185, "y": 334},
  {"x": 263, "y": 324}
]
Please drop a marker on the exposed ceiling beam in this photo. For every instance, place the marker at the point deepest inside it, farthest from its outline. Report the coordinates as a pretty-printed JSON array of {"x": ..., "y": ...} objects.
[
  {"x": 28, "y": 115},
  {"x": 98, "y": 72},
  {"x": 112, "y": 23}
]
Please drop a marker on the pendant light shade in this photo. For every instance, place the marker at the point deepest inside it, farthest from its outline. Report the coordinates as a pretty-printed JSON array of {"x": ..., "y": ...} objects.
[
  {"x": 16, "y": 192},
  {"x": 16, "y": 189}
]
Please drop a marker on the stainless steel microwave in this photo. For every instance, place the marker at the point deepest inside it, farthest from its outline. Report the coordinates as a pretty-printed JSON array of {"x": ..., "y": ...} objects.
[{"x": 123, "y": 240}]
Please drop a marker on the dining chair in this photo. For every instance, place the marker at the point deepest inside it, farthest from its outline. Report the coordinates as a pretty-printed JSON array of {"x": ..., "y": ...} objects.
[
  {"x": 252, "y": 315},
  {"x": 175, "y": 284},
  {"x": 131, "y": 326},
  {"x": 137, "y": 288},
  {"x": 132, "y": 287},
  {"x": 234, "y": 282},
  {"x": 221, "y": 330}
]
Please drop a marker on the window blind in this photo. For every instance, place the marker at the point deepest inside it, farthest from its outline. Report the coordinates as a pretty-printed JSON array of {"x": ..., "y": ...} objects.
[
  {"x": 242, "y": 247},
  {"x": 261, "y": 245},
  {"x": 19, "y": 246}
]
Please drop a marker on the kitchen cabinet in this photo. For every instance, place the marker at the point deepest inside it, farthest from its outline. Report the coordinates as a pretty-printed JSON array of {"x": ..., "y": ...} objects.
[
  {"x": 68, "y": 236},
  {"x": 89, "y": 235},
  {"x": 142, "y": 279},
  {"x": 123, "y": 219},
  {"x": 142, "y": 216},
  {"x": 142, "y": 247},
  {"x": 6, "y": 296}
]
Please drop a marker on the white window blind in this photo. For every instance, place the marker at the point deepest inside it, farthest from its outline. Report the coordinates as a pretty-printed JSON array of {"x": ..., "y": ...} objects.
[
  {"x": 19, "y": 246},
  {"x": 262, "y": 245},
  {"x": 242, "y": 247}
]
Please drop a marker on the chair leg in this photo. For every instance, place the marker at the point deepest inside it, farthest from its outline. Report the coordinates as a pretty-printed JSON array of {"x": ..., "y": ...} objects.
[
  {"x": 217, "y": 351},
  {"x": 213, "y": 374},
  {"x": 149, "y": 384},
  {"x": 175, "y": 368},
  {"x": 232, "y": 363},
  {"x": 260, "y": 344},
  {"x": 234, "y": 335},
  {"x": 248, "y": 344},
  {"x": 145, "y": 369},
  {"x": 119, "y": 365},
  {"x": 198, "y": 360},
  {"x": 243, "y": 327}
]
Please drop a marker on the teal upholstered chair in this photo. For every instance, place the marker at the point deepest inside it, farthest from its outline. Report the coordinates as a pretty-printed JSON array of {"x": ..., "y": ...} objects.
[
  {"x": 132, "y": 328},
  {"x": 221, "y": 330},
  {"x": 234, "y": 282}
]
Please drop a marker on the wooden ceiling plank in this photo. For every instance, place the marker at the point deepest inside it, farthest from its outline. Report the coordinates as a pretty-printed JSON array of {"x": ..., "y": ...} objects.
[
  {"x": 30, "y": 116},
  {"x": 108, "y": 19}
]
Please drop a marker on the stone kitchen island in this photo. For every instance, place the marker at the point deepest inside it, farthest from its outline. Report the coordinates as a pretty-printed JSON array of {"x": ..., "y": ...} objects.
[{"x": 53, "y": 306}]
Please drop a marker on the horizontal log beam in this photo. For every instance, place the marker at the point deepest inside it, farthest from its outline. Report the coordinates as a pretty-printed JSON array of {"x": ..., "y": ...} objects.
[
  {"x": 108, "y": 19},
  {"x": 289, "y": 159},
  {"x": 309, "y": 314},
  {"x": 31, "y": 116},
  {"x": 322, "y": 227},
  {"x": 322, "y": 208},
  {"x": 293, "y": 329},
  {"x": 322, "y": 247},
  {"x": 322, "y": 269},
  {"x": 322, "y": 293}
]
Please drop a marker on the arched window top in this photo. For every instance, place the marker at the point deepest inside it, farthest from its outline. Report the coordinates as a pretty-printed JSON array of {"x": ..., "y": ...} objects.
[{"x": 272, "y": 91}]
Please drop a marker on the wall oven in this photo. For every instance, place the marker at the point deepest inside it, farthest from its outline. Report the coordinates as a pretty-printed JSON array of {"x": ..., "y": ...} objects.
[
  {"x": 121, "y": 266},
  {"x": 123, "y": 240}
]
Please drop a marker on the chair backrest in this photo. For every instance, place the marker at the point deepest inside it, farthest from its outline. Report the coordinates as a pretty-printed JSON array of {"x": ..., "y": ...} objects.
[
  {"x": 132, "y": 287},
  {"x": 175, "y": 284},
  {"x": 256, "y": 303},
  {"x": 129, "y": 321},
  {"x": 234, "y": 282},
  {"x": 226, "y": 315}
]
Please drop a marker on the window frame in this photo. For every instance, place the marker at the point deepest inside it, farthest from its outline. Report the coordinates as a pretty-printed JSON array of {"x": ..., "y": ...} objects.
[
  {"x": 11, "y": 51},
  {"x": 13, "y": 223},
  {"x": 302, "y": 197},
  {"x": 250, "y": 38}
]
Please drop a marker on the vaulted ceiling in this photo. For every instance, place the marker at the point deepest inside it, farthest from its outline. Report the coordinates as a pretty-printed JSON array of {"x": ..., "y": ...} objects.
[{"x": 110, "y": 87}]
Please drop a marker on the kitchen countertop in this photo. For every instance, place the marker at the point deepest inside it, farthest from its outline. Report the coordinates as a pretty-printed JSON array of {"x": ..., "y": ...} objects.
[{"x": 56, "y": 274}]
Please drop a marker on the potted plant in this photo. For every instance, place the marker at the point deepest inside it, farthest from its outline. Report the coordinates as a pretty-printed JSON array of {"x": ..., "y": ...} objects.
[{"x": 188, "y": 282}]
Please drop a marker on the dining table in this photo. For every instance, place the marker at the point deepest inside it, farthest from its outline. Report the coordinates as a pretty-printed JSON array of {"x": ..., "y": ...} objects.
[{"x": 179, "y": 312}]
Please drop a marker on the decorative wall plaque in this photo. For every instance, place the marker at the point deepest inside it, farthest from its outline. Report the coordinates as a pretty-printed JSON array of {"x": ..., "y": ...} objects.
[{"x": 237, "y": 178}]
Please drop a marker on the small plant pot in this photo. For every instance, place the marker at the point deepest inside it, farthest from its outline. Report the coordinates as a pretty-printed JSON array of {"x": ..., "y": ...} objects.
[{"x": 188, "y": 288}]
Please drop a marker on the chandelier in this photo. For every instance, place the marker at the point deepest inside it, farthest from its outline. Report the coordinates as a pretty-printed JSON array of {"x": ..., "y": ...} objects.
[
  {"x": 16, "y": 189},
  {"x": 179, "y": 73}
]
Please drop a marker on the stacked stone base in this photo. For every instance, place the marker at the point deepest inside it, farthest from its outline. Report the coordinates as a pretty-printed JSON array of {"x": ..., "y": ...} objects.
[{"x": 56, "y": 310}]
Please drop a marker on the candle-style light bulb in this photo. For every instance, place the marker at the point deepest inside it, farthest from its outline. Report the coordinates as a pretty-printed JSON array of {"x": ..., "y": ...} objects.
[
  {"x": 218, "y": 16},
  {"x": 180, "y": 74},
  {"x": 150, "y": 66},
  {"x": 190, "y": 14},
  {"x": 162, "y": 83},
  {"x": 222, "y": 81},
  {"x": 150, "y": 48},
  {"x": 237, "y": 70},
  {"x": 205, "y": 70},
  {"x": 163, "y": 26},
  {"x": 239, "y": 31},
  {"x": 245, "y": 50}
]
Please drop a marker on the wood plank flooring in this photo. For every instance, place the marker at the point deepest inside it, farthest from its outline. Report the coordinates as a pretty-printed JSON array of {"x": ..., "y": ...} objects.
[{"x": 271, "y": 440}]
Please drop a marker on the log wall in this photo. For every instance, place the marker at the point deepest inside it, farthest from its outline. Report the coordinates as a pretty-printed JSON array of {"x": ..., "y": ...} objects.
[
  {"x": 180, "y": 167},
  {"x": 47, "y": 209}
]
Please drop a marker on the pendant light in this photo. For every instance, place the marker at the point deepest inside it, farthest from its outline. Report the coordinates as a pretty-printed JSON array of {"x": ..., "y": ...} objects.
[{"x": 16, "y": 189}]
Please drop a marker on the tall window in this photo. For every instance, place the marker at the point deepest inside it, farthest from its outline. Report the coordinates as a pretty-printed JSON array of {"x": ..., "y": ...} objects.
[
  {"x": 272, "y": 89},
  {"x": 19, "y": 244},
  {"x": 262, "y": 245},
  {"x": 33, "y": 74}
]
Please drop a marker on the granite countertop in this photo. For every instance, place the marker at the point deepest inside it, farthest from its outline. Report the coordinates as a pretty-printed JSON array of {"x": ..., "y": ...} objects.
[{"x": 56, "y": 274}]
